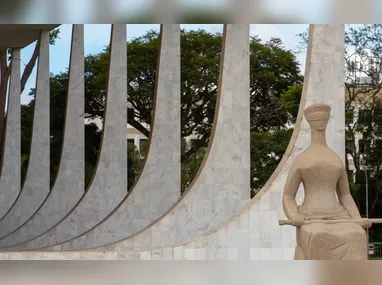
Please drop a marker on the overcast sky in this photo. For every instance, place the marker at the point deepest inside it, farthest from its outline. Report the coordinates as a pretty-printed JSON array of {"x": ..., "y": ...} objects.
[{"x": 98, "y": 36}]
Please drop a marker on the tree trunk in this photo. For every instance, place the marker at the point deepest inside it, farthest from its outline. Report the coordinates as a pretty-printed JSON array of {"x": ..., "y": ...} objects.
[
  {"x": 29, "y": 67},
  {"x": 135, "y": 124}
]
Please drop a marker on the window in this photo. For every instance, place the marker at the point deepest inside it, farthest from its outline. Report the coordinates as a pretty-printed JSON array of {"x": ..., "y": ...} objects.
[
  {"x": 364, "y": 80},
  {"x": 363, "y": 145},
  {"x": 363, "y": 115},
  {"x": 349, "y": 117},
  {"x": 142, "y": 144},
  {"x": 378, "y": 143},
  {"x": 350, "y": 145},
  {"x": 378, "y": 112},
  {"x": 130, "y": 142},
  {"x": 352, "y": 65},
  {"x": 361, "y": 176}
]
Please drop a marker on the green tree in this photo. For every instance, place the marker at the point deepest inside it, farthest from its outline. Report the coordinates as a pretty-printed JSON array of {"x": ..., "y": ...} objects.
[
  {"x": 192, "y": 166},
  {"x": 267, "y": 149},
  {"x": 58, "y": 89},
  {"x": 290, "y": 101},
  {"x": 134, "y": 162},
  {"x": 275, "y": 82},
  {"x": 274, "y": 69}
]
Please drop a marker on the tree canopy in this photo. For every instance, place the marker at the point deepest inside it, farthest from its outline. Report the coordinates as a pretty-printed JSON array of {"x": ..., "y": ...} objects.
[
  {"x": 275, "y": 89},
  {"x": 274, "y": 71}
]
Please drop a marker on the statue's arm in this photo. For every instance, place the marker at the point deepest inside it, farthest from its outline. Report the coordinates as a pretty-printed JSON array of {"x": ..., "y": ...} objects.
[
  {"x": 345, "y": 198},
  {"x": 290, "y": 191}
]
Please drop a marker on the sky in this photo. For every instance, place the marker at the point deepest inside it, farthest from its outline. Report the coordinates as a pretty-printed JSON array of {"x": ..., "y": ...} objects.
[{"x": 97, "y": 36}]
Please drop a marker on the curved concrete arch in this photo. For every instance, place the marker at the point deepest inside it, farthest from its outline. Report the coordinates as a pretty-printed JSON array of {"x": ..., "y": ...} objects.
[
  {"x": 36, "y": 185},
  {"x": 254, "y": 233},
  {"x": 158, "y": 186},
  {"x": 109, "y": 185},
  {"x": 10, "y": 180},
  {"x": 69, "y": 185},
  {"x": 221, "y": 187}
]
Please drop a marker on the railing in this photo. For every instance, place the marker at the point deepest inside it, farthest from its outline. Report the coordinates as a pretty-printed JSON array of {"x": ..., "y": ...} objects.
[{"x": 375, "y": 251}]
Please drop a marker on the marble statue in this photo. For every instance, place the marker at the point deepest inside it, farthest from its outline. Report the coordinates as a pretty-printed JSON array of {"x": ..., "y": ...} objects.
[{"x": 336, "y": 229}]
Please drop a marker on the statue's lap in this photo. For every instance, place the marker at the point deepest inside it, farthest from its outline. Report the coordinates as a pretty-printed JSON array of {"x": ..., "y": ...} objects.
[
  {"x": 332, "y": 241},
  {"x": 322, "y": 241}
]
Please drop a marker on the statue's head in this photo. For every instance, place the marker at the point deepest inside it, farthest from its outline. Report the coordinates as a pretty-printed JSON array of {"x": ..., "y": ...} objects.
[{"x": 318, "y": 116}]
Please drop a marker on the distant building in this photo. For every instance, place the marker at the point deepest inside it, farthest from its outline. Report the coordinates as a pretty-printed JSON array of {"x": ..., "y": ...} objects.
[
  {"x": 361, "y": 72},
  {"x": 133, "y": 136},
  {"x": 361, "y": 67}
]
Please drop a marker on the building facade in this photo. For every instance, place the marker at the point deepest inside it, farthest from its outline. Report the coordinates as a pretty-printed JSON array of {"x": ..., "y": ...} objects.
[{"x": 133, "y": 136}]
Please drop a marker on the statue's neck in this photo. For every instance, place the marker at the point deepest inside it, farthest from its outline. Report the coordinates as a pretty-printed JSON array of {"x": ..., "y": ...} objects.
[{"x": 318, "y": 138}]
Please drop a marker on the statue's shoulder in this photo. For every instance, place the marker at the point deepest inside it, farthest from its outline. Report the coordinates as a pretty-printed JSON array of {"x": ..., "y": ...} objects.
[
  {"x": 299, "y": 161},
  {"x": 302, "y": 156},
  {"x": 339, "y": 159},
  {"x": 335, "y": 155}
]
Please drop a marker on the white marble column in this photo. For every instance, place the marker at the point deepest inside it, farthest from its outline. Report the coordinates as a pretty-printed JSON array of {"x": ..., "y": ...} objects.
[
  {"x": 109, "y": 185},
  {"x": 158, "y": 185},
  {"x": 68, "y": 187},
  {"x": 10, "y": 184},
  {"x": 37, "y": 182},
  {"x": 222, "y": 185}
]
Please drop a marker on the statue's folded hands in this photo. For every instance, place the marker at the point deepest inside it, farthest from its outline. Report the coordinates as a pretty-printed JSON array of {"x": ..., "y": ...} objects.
[
  {"x": 298, "y": 220},
  {"x": 366, "y": 223}
]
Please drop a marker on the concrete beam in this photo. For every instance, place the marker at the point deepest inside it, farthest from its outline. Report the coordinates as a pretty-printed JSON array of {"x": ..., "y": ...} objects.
[{"x": 21, "y": 35}]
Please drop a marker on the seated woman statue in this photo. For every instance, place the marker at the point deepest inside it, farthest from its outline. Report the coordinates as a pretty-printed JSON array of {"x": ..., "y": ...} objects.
[{"x": 327, "y": 197}]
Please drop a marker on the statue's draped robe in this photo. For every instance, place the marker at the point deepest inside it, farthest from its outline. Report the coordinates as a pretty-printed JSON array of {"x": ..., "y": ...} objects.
[{"x": 320, "y": 241}]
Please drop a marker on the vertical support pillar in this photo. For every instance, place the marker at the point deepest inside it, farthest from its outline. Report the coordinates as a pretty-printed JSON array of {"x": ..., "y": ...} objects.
[
  {"x": 10, "y": 183},
  {"x": 37, "y": 182},
  {"x": 109, "y": 185},
  {"x": 68, "y": 187}
]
